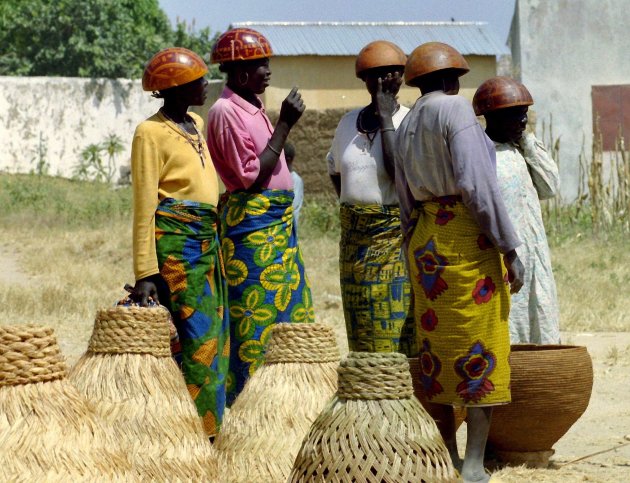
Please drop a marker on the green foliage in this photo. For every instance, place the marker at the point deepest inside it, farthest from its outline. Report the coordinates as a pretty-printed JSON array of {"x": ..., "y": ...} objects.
[
  {"x": 87, "y": 38},
  {"x": 49, "y": 202},
  {"x": 319, "y": 218},
  {"x": 200, "y": 41},
  {"x": 565, "y": 222},
  {"x": 92, "y": 166},
  {"x": 40, "y": 160}
]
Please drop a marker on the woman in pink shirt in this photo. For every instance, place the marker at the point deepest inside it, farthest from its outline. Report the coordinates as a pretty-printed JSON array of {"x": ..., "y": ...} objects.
[{"x": 264, "y": 266}]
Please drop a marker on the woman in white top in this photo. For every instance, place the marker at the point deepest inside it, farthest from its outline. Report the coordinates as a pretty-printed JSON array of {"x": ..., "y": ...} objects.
[{"x": 375, "y": 289}]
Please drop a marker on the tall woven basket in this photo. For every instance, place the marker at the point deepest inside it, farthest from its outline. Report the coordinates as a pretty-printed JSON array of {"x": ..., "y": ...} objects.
[
  {"x": 264, "y": 428},
  {"x": 374, "y": 430},
  {"x": 551, "y": 389},
  {"x": 48, "y": 432},
  {"x": 129, "y": 376}
]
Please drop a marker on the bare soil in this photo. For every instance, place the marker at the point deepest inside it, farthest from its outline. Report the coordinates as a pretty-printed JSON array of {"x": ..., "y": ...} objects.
[{"x": 10, "y": 271}]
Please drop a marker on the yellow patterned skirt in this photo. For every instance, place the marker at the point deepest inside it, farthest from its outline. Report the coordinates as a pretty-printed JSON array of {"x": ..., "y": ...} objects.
[
  {"x": 462, "y": 304},
  {"x": 375, "y": 289}
]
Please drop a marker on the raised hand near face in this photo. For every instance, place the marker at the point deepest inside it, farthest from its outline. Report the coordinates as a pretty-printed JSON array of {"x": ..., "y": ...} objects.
[
  {"x": 292, "y": 108},
  {"x": 386, "y": 95}
]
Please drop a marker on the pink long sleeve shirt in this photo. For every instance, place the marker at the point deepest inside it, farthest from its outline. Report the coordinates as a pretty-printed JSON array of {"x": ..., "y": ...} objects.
[{"x": 237, "y": 133}]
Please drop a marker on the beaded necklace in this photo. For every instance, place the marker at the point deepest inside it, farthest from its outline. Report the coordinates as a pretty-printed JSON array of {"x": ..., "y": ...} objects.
[
  {"x": 196, "y": 145},
  {"x": 370, "y": 133}
]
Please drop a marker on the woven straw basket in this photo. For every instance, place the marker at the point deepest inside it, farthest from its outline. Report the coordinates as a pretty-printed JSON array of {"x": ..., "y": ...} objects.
[
  {"x": 48, "y": 431},
  {"x": 551, "y": 389},
  {"x": 434, "y": 410},
  {"x": 374, "y": 429},
  {"x": 262, "y": 432},
  {"x": 132, "y": 381}
]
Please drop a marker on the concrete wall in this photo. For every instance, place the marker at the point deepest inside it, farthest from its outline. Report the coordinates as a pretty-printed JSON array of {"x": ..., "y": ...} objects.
[
  {"x": 330, "y": 82},
  {"x": 561, "y": 49},
  {"x": 52, "y": 119}
]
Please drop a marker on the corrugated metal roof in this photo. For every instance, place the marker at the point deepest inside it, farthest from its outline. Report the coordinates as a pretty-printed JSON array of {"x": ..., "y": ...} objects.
[{"x": 347, "y": 38}]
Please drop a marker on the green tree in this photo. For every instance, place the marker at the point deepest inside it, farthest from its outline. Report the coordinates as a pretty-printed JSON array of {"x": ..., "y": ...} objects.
[
  {"x": 87, "y": 38},
  {"x": 200, "y": 41}
]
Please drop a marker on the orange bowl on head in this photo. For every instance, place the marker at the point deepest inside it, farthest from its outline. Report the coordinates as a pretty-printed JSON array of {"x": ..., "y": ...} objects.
[{"x": 172, "y": 67}]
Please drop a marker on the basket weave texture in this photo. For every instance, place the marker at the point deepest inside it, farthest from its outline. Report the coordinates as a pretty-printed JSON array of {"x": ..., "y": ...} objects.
[
  {"x": 551, "y": 389},
  {"x": 133, "y": 384},
  {"x": 302, "y": 343},
  {"x": 374, "y": 429},
  {"x": 48, "y": 431},
  {"x": 29, "y": 354},
  {"x": 131, "y": 330},
  {"x": 262, "y": 432}
]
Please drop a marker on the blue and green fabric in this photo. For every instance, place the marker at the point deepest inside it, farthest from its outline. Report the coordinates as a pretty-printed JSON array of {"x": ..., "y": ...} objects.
[
  {"x": 190, "y": 262},
  {"x": 375, "y": 289},
  {"x": 265, "y": 273}
]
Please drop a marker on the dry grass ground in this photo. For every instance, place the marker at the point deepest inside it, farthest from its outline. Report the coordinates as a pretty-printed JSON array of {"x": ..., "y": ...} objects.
[
  {"x": 592, "y": 277},
  {"x": 69, "y": 248}
]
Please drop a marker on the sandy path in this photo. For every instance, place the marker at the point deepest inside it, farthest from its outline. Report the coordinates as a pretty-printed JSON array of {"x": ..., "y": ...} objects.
[
  {"x": 606, "y": 422},
  {"x": 10, "y": 271}
]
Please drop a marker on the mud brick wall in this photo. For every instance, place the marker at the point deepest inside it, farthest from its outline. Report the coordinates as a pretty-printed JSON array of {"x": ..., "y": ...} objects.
[{"x": 312, "y": 137}]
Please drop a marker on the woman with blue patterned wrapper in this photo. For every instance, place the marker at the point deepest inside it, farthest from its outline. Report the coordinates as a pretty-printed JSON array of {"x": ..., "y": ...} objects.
[
  {"x": 176, "y": 253},
  {"x": 267, "y": 283}
]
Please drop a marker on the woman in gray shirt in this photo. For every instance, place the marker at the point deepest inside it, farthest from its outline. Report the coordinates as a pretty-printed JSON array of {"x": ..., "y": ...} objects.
[{"x": 458, "y": 237}]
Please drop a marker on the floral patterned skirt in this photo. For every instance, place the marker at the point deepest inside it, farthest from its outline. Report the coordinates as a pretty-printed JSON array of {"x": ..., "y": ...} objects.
[
  {"x": 462, "y": 304},
  {"x": 265, "y": 273},
  {"x": 188, "y": 255}
]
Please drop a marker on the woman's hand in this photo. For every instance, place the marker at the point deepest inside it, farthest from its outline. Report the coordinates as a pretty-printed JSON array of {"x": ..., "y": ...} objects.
[
  {"x": 386, "y": 101},
  {"x": 290, "y": 112},
  {"x": 516, "y": 271},
  {"x": 292, "y": 108},
  {"x": 143, "y": 289}
]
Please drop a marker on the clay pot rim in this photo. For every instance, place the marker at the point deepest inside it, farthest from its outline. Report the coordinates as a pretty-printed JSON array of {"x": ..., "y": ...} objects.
[{"x": 543, "y": 347}]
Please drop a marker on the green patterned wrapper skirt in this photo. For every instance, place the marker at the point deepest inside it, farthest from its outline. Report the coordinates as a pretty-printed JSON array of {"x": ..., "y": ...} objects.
[{"x": 190, "y": 261}]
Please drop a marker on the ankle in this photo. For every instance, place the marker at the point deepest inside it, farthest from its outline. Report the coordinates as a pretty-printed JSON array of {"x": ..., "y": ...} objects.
[{"x": 474, "y": 473}]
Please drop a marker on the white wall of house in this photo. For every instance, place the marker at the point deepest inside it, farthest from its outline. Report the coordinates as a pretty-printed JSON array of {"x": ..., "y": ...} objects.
[
  {"x": 53, "y": 119},
  {"x": 560, "y": 49}
]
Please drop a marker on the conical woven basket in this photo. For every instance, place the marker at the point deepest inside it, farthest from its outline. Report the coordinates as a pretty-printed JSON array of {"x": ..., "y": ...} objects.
[
  {"x": 551, "y": 388},
  {"x": 130, "y": 377},
  {"x": 48, "y": 431},
  {"x": 374, "y": 429},
  {"x": 264, "y": 428}
]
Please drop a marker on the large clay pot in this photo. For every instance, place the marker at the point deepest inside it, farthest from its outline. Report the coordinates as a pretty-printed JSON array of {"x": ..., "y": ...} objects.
[
  {"x": 434, "y": 410},
  {"x": 551, "y": 389}
]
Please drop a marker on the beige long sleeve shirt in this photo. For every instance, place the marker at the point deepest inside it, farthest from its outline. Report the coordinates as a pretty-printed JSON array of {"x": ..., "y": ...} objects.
[{"x": 443, "y": 151}]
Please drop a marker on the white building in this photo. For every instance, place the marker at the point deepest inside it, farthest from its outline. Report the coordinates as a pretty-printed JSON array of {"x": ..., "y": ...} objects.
[{"x": 574, "y": 57}]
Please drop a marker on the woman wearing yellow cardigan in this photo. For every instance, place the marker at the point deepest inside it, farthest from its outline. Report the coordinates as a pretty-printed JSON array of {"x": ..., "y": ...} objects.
[{"x": 176, "y": 253}]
